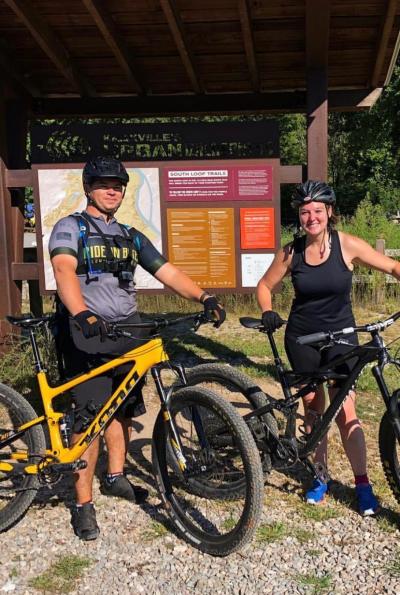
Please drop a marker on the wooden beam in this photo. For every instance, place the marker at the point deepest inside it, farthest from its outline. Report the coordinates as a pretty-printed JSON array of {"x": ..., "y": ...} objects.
[
  {"x": 227, "y": 103},
  {"x": 7, "y": 65},
  {"x": 383, "y": 41},
  {"x": 50, "y": 44},
  {"x": 19, "y": 178},
  {"x": 114, "y": 40},
  {"x": 291, "y": 174},
  {"x": 248, "y": 41},
  {"x": 317, "y": 41},
  {"x": 178, "y": 33},
  {"x": 25, "y": 271}
]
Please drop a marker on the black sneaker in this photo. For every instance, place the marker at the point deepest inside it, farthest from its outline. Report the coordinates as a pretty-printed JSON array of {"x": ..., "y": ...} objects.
[
  {"x": 122, "y": 488},
  {"x": 84, "y": 522}
]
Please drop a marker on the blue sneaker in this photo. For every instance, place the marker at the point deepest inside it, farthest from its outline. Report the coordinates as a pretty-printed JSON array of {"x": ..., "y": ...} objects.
[
  {"x": 367, "y": 503},
  {"x": 317, "y": 492}
]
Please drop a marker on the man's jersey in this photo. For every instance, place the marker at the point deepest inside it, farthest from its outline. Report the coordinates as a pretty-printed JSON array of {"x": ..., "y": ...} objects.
[{"x": 104, "y": 292}]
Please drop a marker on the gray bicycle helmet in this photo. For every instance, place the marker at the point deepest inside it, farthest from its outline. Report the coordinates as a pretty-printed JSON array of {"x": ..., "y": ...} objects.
[
  {"x": 313, "y": 191},
  {"x": 104, "y": 167}
]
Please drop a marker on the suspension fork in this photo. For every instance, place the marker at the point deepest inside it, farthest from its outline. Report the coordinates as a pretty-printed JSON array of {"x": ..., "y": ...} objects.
[{"x": 165, "y": 396}]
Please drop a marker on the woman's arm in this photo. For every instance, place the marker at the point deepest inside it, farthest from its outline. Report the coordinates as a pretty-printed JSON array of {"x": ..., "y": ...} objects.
[
  {"x": 360, "y": 252},
  {"x": 273, "y": 276}
]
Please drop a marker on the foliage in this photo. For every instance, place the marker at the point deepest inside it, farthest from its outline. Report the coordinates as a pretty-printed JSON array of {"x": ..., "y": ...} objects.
[
  {"x": 364, "y": 153},
  {"x": 370, "y": 222}
]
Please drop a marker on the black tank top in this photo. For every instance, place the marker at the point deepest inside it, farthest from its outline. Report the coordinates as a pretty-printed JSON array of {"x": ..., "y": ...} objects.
[{"x": 322, "y": 292}]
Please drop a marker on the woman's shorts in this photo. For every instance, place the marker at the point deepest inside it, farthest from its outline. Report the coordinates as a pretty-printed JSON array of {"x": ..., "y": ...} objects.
[{"x": 308, "y": 358}]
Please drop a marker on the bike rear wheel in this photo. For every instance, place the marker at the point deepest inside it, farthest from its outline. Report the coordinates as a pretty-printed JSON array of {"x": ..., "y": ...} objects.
[
  {"x": 223, "y": 515},
  {"x": 17, "y": 491},
  {"x": 243, "y": 393},
  {"x": 389, "y": 448}
]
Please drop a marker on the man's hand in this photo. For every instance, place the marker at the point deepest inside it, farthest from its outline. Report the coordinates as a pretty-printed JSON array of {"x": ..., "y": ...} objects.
[
  {"x": 271, "y": 321},
  {"x": 214, "y": 311},
  {"x": 91, "y": 324}
]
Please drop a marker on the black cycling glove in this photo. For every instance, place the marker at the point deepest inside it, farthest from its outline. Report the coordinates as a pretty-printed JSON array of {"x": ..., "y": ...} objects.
[
  {"x": 214, "y": 311},
  {"x": 271, "y": 321},
  {"x": 91, "y": 324}
]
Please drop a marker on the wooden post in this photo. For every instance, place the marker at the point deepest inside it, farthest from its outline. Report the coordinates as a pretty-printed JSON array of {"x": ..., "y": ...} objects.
[
  {"x": 317, "y": 40},
  {"x": 13, "y": 132},
  {"x": 380, "y": 246}
]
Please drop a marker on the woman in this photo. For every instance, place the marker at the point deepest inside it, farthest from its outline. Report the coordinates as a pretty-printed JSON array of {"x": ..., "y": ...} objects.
[{"x": 321, "y": 263}]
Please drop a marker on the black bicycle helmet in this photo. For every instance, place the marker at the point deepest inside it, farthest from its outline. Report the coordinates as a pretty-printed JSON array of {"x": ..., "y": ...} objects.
[
  {"x": 313, "y": 191},
  {"x": 104, "y": 167}
]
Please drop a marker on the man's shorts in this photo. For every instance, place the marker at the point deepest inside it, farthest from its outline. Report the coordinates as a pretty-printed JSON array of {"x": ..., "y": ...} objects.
[{"x": 89, "y": 397}]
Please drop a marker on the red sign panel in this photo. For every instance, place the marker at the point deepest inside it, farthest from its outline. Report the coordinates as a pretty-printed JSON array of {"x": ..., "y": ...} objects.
[
  {"x": 251, "y": 182},
  {"x": 257, "y": 228}
]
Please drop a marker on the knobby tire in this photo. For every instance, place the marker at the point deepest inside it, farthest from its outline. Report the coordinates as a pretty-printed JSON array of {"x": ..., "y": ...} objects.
[
  {"x": 15, "y": 411},
  {"x": 215, "y": 525}
]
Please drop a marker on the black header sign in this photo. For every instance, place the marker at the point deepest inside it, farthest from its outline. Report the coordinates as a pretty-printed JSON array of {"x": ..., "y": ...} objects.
[{"x": 72, "y": 141}]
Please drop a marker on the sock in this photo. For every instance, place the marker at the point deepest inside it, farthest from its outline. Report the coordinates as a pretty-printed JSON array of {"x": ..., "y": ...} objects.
[
  {"x": 111, "y": 477},
  {"x": 83, "y": 504},
  {"x": 361, "y": 479}
]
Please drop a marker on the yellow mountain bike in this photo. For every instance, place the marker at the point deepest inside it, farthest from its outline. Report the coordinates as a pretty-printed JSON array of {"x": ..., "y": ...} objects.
[{"x": 207, "y": 467}]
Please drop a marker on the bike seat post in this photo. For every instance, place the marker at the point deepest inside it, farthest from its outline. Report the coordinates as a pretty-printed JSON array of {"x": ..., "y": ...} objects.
[{"x": 36, "y": 355}]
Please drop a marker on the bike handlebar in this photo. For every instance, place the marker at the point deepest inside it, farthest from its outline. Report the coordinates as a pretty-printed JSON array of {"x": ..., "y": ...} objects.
[
  {"x": 322, "y": 337},
  {"x": 117, "y": 328}
]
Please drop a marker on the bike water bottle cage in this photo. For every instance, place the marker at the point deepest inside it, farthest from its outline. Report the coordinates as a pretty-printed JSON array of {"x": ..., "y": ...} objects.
[{"x": 99, "y": 253}]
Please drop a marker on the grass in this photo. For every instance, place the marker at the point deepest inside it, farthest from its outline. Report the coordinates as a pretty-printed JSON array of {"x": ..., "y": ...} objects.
[
  {"x": 267, "y": 533},
  {"x": 318, "y": 513},
  {"x": 387, "y": 525},
  {"x": 317, "y": 584},
  {"x": 393, "y": 568},
  {"x": 62, "y": 575},
  {"x": 155, "y": 531}
]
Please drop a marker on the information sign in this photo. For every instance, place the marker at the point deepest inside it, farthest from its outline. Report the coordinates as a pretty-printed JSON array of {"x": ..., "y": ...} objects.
[
  {"x": 257, "y": 228},
  {"x": 247, "y": 182},
  {"x": 201, "y": 243}
]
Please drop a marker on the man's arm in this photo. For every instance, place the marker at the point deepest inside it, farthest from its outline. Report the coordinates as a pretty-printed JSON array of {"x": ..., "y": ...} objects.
[
  {"x": 68, "y": 287},
  {"x": 177, "y": 280}
]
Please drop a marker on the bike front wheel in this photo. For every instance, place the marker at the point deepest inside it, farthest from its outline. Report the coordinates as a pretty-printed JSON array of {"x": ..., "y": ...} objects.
[
  {"x": 389, "y": 448},
  {"x": 244, "y": 394},
  {"x": 17, "y": 490},
  {"x": 221, "y": 457}
]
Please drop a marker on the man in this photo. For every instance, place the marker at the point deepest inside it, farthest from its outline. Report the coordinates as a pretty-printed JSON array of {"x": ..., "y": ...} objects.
[{"x": 94, "y": 260}]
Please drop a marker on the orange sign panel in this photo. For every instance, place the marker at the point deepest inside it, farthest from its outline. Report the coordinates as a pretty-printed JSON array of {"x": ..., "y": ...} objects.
[
  {"x": 201, "y": 243},
  {"x": 257, "y": 228}
]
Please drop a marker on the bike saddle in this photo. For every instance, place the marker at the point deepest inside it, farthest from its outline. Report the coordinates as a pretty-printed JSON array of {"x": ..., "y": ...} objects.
[{"x": 27, "y": 320}]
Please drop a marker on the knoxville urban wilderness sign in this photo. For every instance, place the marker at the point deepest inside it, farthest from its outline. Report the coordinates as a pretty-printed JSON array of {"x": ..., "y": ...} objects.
[{"x": 71, "y": 141}]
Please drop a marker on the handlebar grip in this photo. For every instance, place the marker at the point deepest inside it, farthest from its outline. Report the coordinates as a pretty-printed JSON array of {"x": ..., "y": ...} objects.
[{"x": 313, "y": 338}]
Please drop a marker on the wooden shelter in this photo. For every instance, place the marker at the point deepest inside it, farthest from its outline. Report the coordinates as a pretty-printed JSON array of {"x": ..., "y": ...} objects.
[{"x": 160, "y": 57}]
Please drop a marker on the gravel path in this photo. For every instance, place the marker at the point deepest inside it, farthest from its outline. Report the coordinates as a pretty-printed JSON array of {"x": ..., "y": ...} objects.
[
  {"x": 299, "y": 549},
  {"x": 335, "y": 552}
]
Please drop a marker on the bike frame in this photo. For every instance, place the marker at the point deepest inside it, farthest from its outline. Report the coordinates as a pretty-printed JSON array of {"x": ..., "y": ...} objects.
[
  {"x": 374, "y": 350},
  {"x": 151, "y": 356}
]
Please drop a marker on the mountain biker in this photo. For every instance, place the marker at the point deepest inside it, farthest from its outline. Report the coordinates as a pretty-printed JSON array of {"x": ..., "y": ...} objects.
[
  {"x": 94, "y": 260},
  {"x": 320, "y": 263}
]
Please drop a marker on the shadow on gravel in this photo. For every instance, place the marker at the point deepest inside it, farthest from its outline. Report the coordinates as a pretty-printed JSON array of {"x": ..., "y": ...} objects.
[{"x": 338, "y": 491}]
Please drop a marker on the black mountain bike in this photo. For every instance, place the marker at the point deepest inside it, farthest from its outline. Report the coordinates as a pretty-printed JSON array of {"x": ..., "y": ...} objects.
[{"x": 282, "y": 448}]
